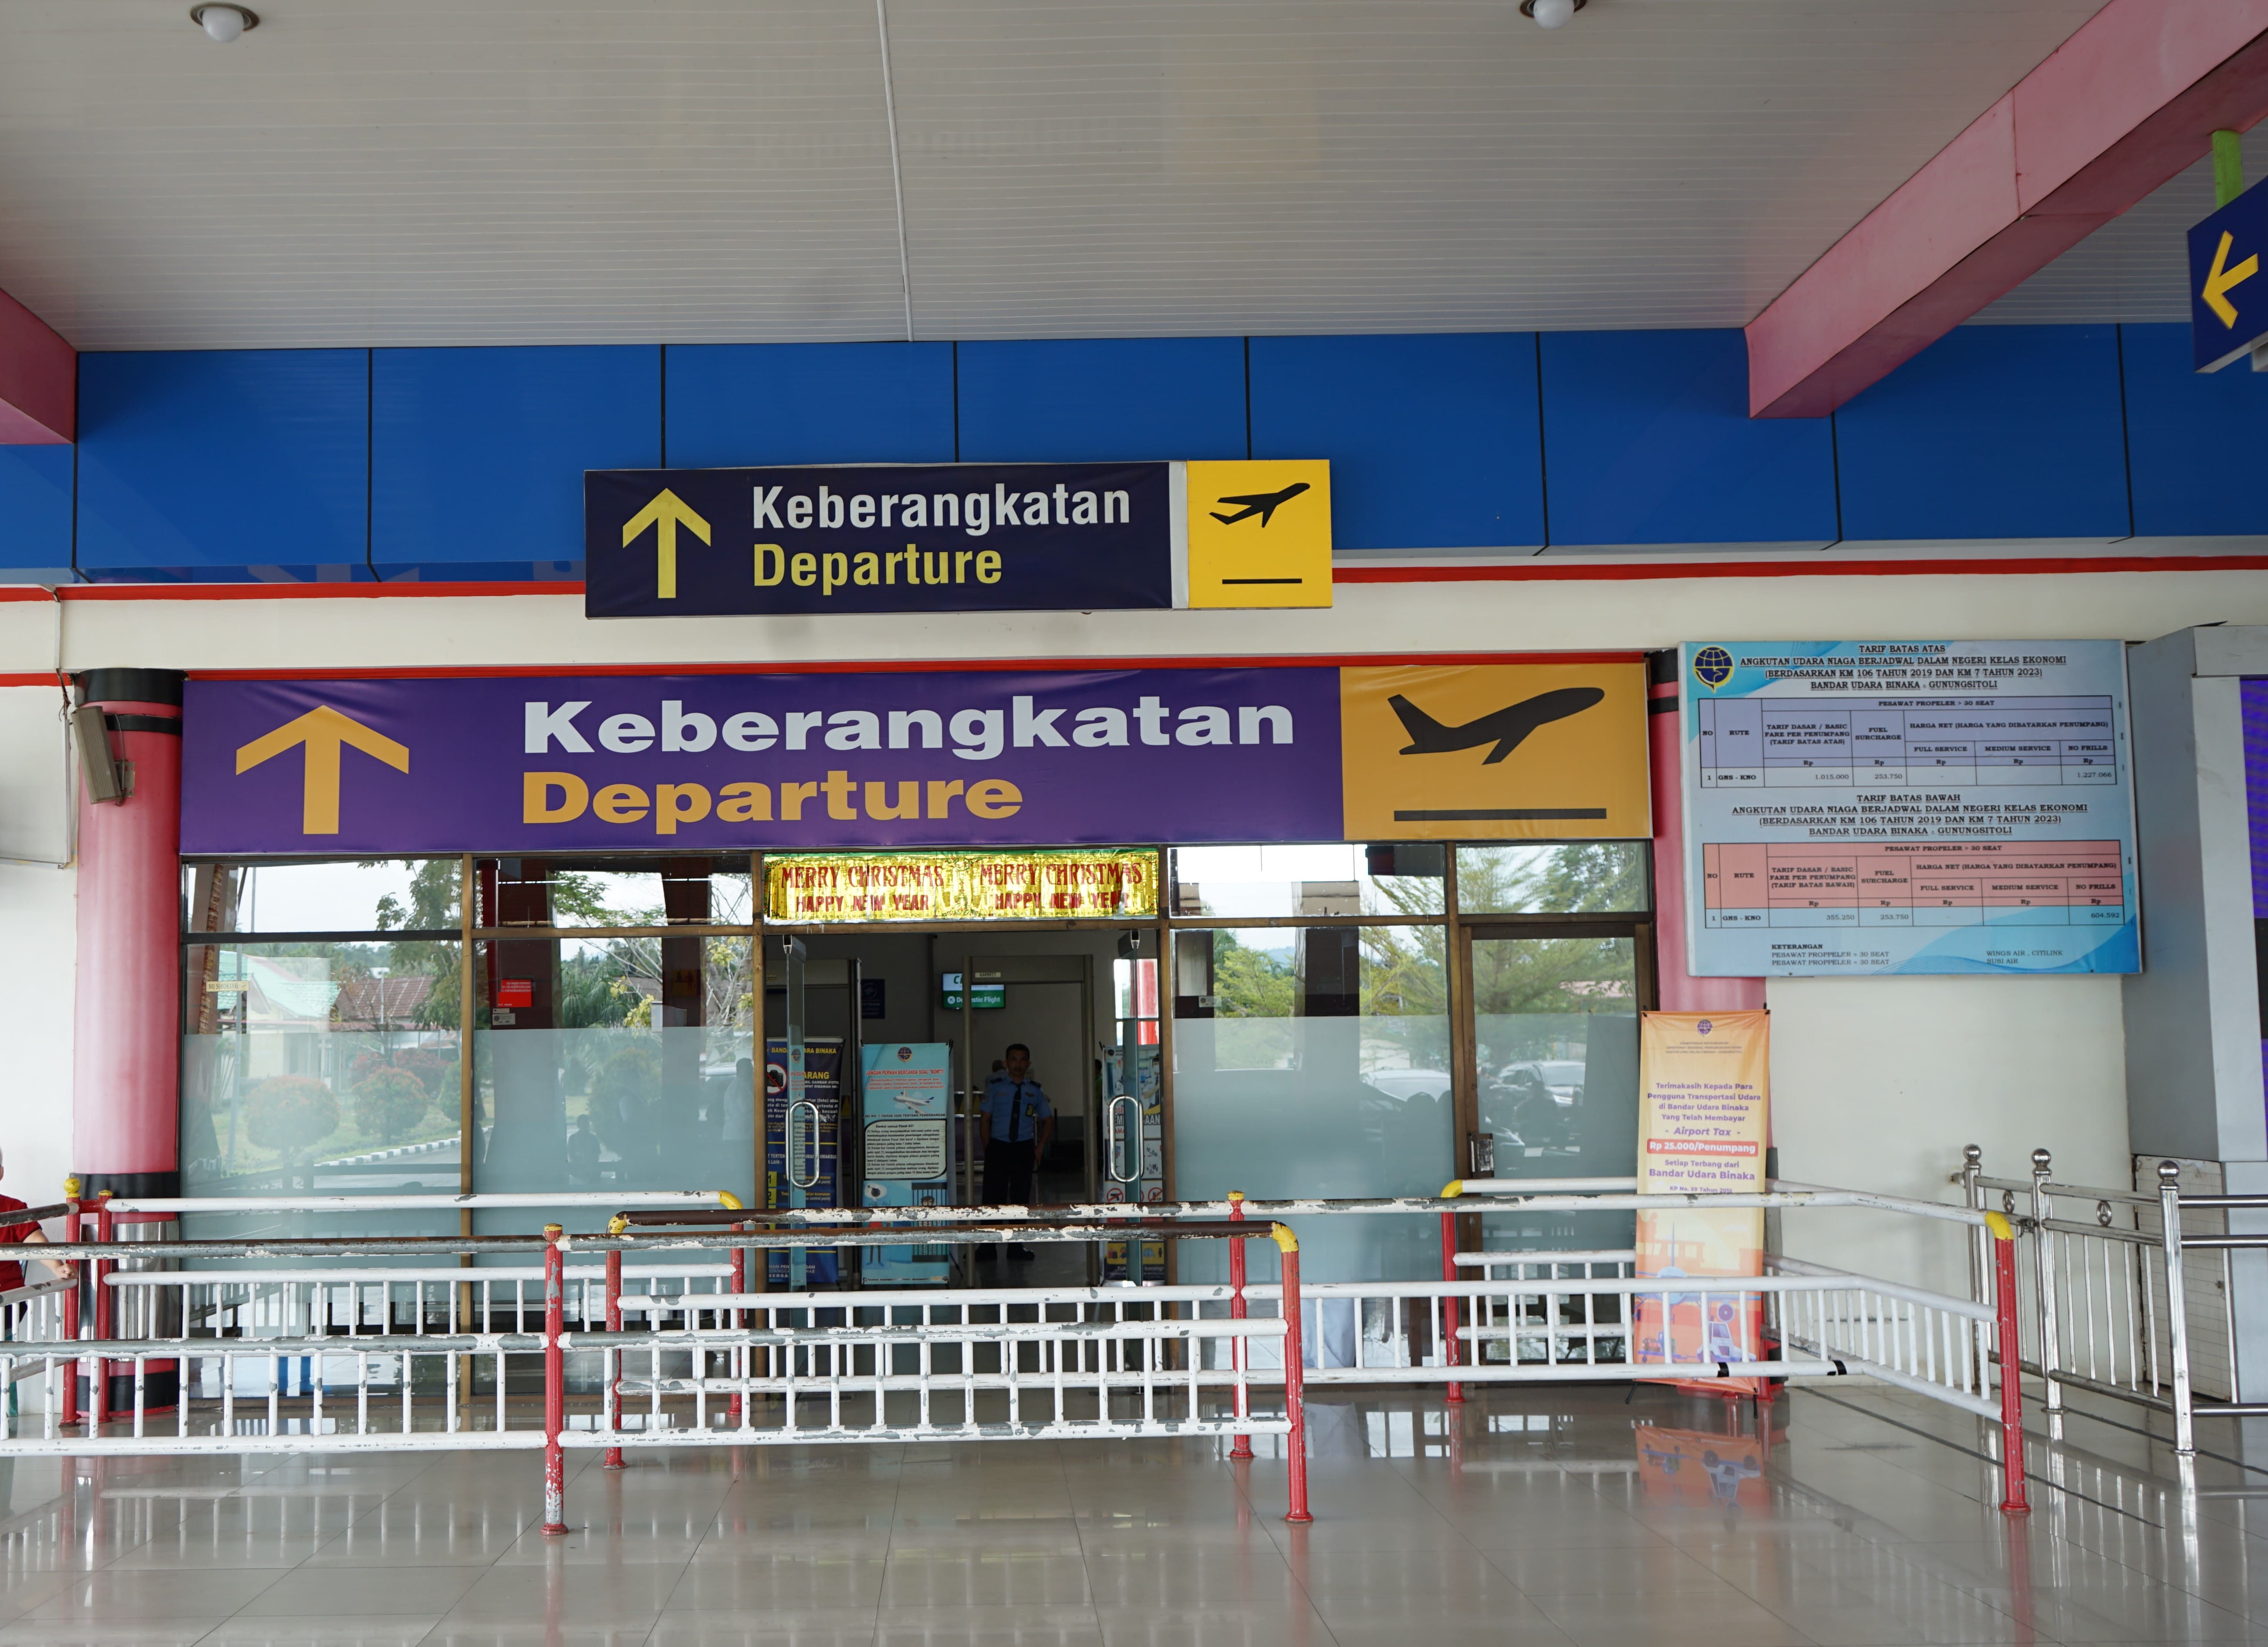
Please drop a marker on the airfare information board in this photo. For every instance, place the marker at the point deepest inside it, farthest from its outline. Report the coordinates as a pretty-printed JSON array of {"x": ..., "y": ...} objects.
[{"x": 1908, "y": 807}]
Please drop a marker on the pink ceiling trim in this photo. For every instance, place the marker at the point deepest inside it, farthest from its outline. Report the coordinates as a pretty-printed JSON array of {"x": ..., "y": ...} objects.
[
  {"x": 38, "y": 380},
  {"x": 2122, "y": 106}
]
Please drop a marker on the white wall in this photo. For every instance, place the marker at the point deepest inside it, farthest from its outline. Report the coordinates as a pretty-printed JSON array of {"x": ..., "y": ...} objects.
[
  {"x": 38, "y": 913},
  {"x": 1879, "y": 1082}
]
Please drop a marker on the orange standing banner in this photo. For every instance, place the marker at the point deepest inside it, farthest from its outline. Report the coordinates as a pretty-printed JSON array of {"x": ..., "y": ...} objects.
[{"x": 1704, "y": 1120}]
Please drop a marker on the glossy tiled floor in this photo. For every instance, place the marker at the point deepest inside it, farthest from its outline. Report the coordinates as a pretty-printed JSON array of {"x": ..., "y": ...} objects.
[{"x": 1541, "y": 1519}]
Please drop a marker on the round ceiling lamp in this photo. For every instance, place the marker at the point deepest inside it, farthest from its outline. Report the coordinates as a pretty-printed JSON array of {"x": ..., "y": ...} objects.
[
  {"x": 224, "y": 23},
  {"x": 1549, "y": 13}
]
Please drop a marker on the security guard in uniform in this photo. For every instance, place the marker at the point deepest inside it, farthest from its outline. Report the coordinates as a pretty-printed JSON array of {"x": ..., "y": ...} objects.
[{"x": 1019, "y": 1123}]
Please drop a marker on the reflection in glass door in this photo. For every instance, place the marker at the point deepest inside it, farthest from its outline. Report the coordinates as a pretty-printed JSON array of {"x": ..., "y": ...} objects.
[{"x": 1555, "y": 1065}]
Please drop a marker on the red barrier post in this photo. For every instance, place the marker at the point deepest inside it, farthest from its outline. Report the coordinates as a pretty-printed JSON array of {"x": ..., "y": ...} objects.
[
  {"x": 71, "y": 1306},
  {"x": 1240, "y": 1349},
  {"x": 105, "y": 1230},
  {"x": 2012, "y": 1378},
  {"x": 555, "y": 1380},
  {"x": 1295, "y": 1377},
  {"x": 614, "y": 1459},
  {"x": 1449, "y": 1312}
]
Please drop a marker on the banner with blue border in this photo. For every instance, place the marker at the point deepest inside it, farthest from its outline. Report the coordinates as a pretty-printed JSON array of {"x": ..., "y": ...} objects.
[{"x": 1857, "y": 807}]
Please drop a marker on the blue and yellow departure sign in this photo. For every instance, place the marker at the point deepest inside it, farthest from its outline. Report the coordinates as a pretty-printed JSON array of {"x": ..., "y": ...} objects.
[{"x": 2229, "y": 294}]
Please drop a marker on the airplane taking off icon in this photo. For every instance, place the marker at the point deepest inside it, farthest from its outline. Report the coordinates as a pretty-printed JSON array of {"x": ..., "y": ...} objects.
[
  {"x": 1505, "y": 727},
  {"x": 1263, "y": 504}
]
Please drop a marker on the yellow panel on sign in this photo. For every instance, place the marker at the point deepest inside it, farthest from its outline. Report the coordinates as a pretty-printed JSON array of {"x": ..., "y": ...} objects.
[
  {"x": 1495, "y": 752},
  {"x": 1260, "y": 533},
  {"x": 959, "y": 886}
]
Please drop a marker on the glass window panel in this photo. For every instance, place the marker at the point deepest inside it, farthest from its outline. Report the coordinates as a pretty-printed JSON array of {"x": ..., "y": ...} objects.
[
  {"x": 599, "y": 892},
  {"x": 603, "y": 1065},
  {"x": 387, "y": 895},
  {"x": 1554, "y": 1026},
  {"x": 1596, "y": 877},
  {"x": 1314, "y": 1061},
  {"x": 320, "y": 1069},
  {"x": 1328, "y": 878}
]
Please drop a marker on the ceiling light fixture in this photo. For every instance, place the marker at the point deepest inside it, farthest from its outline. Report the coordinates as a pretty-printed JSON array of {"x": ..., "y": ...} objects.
[
  {"x": 224, "y": 23},
  {"x": 1549, "y": 13}
]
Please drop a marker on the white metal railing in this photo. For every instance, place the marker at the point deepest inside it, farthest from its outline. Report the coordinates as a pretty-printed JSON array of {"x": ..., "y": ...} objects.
[
  {"x": 34, "y": 1314},
  {"x": 2126, "y": 1294},
  {"x": 753, "y": 1367},
  {"x": 677, "y": 1351},
  {"x": 1072, "y": 1362}
]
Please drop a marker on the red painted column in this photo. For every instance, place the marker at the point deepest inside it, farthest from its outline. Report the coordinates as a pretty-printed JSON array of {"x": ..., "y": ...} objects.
[
  {"x": 125, "y": 1058},
  {"x": 1679, "y": 990}
]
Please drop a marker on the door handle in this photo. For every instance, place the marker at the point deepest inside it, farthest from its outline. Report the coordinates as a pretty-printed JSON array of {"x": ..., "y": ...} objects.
[
  {"x": 1115, "y": 1134},
  {"x": 808, "y": 1149}
]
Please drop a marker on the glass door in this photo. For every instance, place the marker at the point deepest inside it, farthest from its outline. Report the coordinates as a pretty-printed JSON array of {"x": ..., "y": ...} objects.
[{"x": 1554, "y": 1049}]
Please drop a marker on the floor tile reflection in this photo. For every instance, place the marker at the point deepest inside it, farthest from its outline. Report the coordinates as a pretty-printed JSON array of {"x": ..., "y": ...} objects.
[{"x": 1562, "y": 1517}]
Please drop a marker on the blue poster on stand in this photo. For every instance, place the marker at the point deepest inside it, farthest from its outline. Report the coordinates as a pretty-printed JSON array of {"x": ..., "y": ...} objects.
[
  {"x": 906, "y": 1107},
  {"x": 822, "y": 1086},
  {"x": 1856, "y": 807}
]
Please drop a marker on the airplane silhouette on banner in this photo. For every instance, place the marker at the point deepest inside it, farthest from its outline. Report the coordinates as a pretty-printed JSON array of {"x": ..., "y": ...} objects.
[
  {"x": 1505, "y": 727},
  {"x": 1263, "y": 504}
]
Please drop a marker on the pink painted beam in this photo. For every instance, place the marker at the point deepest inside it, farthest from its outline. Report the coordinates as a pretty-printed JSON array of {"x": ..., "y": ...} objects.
[
  {"x": 2123, "y": 105},
  {"x": 38, "y": 380}
]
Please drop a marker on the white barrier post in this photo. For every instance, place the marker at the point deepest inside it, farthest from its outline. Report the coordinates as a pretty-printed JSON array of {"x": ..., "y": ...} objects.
[{"x": 555, "y": 1380}]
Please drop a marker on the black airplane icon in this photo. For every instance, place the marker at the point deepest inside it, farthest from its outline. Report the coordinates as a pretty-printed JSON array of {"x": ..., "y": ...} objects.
[
  {"x": 1503, "y": 727},
  {"x": 1263, "y": 504}
]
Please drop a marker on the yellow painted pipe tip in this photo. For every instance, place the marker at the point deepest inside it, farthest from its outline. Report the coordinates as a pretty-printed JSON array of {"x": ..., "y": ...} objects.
[
  {"x": 732, "y": 1201},
  {"x": 1281, "y": 1234},
  {"x": 1454, "y": 1188},
  {"x": 617, "y": 1224},
  {"x": 71, "y": 1187},
  {"x": 1236, "y": 1194},
  {"x": 2002, "y": 1230}
]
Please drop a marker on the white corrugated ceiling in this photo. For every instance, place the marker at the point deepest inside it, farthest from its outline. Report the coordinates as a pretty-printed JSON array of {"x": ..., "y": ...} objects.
[{"x": 411, "y": 172}]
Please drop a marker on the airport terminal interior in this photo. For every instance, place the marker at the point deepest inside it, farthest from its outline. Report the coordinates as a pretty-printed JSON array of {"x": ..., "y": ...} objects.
[{"x": 992, "y": 823}]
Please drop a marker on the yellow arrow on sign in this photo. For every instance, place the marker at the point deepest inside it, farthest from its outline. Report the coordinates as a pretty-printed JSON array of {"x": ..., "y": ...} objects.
[
  {"x": 2220, "y": 278},
  {"x": 323, "y": 730},
  {"x": 664, "y": 514}
]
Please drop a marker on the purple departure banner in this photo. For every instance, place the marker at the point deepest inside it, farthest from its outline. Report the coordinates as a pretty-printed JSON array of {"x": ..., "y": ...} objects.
[{"x": 527, "y": 764}]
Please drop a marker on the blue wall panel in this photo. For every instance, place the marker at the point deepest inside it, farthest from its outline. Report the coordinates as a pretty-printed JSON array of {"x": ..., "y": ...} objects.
[
  {"x": 224, "y": 459},
  {"x": 35, "y": 508},
  {"x": 477, "y": 455},
  {"x": 1432, "y": 440},
  {"x": 2199, "y": 442},
  {"x": 1098, "y": 399},
  {"x": 1992, "y": 432},
  {"x": 1647, "y": 439},
  {"x": 732, "y": 405}
]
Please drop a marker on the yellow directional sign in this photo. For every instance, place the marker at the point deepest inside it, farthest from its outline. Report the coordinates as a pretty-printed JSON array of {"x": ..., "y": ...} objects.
[
  {"x": 2228, "y": 302},
  {"x": 2220, "y": 278},
  {"x": 322, "y": 730},
  {"x": 664, "y": 514}
]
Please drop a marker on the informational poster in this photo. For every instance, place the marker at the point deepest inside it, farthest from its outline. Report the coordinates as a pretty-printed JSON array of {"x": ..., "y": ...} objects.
[
  {"x": 906, "y": 1108},
  {"x": 1857, "y": 807},
  {"x": 822, "y": 1086},
  {"x": 1704, "y": 1120}
]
